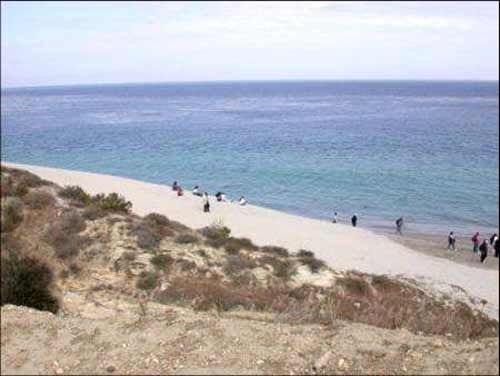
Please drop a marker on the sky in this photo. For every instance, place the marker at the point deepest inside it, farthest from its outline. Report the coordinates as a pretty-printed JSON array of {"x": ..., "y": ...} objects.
[{"x": 60, "y": 43}]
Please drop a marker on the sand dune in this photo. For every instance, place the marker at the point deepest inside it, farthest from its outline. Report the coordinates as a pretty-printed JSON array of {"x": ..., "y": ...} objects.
[{"x": 341, "y": 246}]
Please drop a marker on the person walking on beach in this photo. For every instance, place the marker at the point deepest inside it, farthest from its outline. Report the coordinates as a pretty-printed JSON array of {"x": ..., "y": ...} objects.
[
  {"x": 451, "y": 242},
  {"x": 493, "y": 239},
  {"x": 483, "y": 249},
  {"x": 354, "y": 220},
  {"x": 497, "y": 247},
  {"x": 180, "y": 192},
  {"x": 399, "y": 225},
  {"x": 243, "y": 201},
  {"x": 175, "y": 186},
  {"x": 475, "y": 242},
  {"x": 206, "y": 203},
  {"x": 334, "y": 220}
]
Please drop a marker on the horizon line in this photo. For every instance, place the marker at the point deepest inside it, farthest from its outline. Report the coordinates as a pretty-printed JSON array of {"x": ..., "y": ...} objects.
[{"x": 248, "y": 81}]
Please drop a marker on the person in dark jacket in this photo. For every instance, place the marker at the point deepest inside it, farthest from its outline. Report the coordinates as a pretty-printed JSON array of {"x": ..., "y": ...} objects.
[
  {"x": 483, "y": 250},
  {"x": 399, "y": 225},
  {"x": 354, "y": 220},
  {"x": 493, "y": 239},
  {"x": 497, "y": 248},
  {"x": 451, "y": 242},
  {"x": 175, "y": 186}
]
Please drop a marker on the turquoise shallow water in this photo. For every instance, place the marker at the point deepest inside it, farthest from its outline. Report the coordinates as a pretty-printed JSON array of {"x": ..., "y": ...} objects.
[{"x": 424, "y": 150}]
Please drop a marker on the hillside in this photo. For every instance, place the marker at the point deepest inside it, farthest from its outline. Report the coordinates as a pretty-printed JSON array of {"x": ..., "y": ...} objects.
[{"x": 132, "y": 294}]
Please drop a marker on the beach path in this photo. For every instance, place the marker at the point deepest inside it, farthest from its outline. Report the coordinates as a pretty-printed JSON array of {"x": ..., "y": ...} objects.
[{"x": 341, "y": 246}]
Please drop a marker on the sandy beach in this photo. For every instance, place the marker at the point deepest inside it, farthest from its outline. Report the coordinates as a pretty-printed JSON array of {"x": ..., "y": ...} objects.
[{"x": 342, "y": 247}]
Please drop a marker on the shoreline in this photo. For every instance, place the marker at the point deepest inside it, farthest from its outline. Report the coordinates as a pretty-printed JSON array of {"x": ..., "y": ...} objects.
[{"x": 341, "y": 246}]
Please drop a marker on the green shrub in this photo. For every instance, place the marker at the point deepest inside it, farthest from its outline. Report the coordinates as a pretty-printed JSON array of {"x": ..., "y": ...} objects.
[
  {"x": 12, "y": 214},
  {"x": 186, "y": 239},
  {"x": 27, "y": 281},
  {"x": 162, "y": 262},
  {"x": 38, "y": 199},
  {"x": 112, "y": 202},
  {"x": 147, "y": 280},
  {"x": 76, "y": 195},
  {"x": 279, "y": 251}
]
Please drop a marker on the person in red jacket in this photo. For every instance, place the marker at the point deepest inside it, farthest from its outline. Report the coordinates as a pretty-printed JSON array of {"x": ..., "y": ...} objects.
[{"x": 476, "y": 240}]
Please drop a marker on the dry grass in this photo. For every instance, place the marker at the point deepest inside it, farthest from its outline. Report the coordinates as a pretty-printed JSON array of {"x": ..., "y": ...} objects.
[{"x": 283, "y": 269}]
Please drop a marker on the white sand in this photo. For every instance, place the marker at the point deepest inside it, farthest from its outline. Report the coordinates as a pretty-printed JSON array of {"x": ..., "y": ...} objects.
[{"x": 342, "y": 247}]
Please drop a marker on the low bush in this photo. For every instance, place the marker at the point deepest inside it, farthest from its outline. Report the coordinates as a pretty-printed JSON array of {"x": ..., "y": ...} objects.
[
  {"x": 63, "y": 236},
  {"x": 129, "y": 256},
  {"x": 27, "y": 281},
  {"x": 71, "y": 221},
  {"x": 234, "y": 245},
  {"x": 279, "y": 251},
  {"x": 186, "y": 265},
  {"x": 76, "y": 195},
  {"x": 283, "y": 269},
  {"x": 6, "y": 186},
  {"x": 305, "y": 253},
  {"x": 157, "y": 219},
  {"x": 216, "y": 236},
  {"x": 146, "y": 237},
  {"x": 238, "y": 263},
  {"x": 313, "y": 263},
  {"x": 202, "y": 253},
  {"x": 93, "y": 212},
  {"x": 186, "y": 239},
  {"x": 38, "y": 199},
  {"x": 147, "y": 280},
  {"x": 162, "y": 261},
  {"x": 11, "y": 215},
  {"x": 112, "y": 202}
]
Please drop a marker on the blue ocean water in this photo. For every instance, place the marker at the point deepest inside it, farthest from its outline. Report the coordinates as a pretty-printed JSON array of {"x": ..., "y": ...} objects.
[{"x": 424, "y": 150}]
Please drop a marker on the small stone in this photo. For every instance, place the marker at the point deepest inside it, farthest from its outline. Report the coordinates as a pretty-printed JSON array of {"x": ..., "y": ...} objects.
[
  {"x": 471, "y": 359},
  {"x": 110, "y": 368},
  {"x": 357, "y": 305},
  {"x": 59, "y": 371},
  {"x": 260, "y": 362},
  {"x": 404, "y": 369},
  {"x": 341, "y": 363}
]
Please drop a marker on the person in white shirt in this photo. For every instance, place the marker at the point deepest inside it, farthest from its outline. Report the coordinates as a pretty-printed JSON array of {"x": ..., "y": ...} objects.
[
  {"x": 242, "y": 200},
  {"x": 196, "y": 191}
]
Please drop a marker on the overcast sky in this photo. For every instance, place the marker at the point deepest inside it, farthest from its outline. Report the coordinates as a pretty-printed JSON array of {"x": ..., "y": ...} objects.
[{"x": 56, "y": 43}]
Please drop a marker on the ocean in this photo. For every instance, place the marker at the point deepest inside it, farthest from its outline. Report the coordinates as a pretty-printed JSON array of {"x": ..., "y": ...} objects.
[{"x": 427, "y": 151}]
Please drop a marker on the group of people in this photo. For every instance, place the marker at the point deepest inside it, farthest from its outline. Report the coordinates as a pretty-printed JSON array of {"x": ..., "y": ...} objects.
[
  {"x": 478, "y": 247},
  {"x": 220, "y": 196},
  {"x": 354, "y": 219}
]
